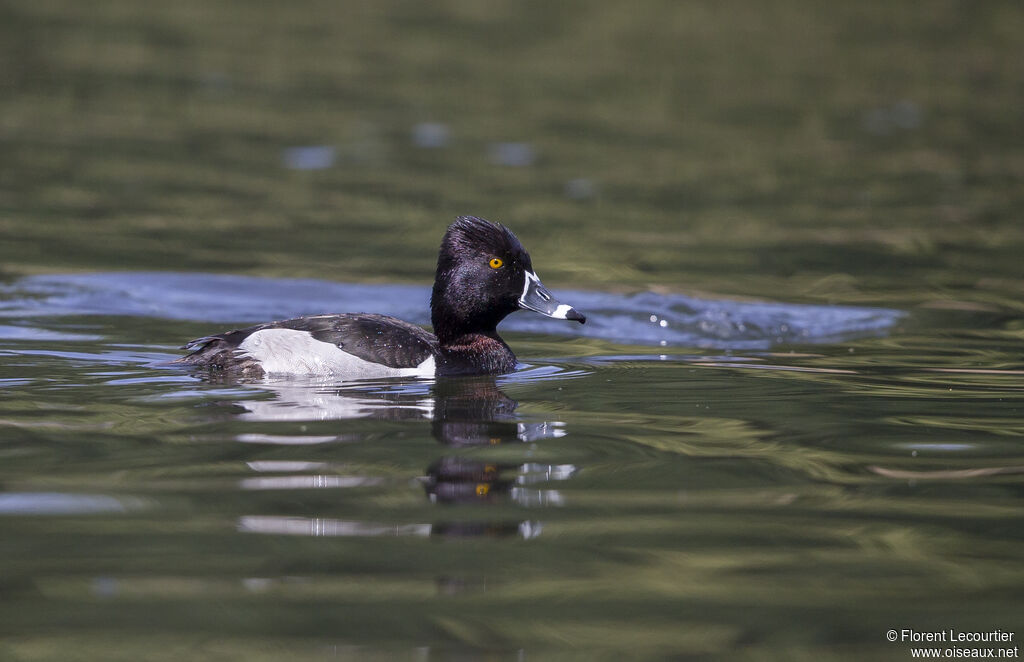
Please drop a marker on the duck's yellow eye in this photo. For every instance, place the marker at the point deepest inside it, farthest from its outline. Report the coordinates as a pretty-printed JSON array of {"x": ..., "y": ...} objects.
[{"x": 496, "y": 263}]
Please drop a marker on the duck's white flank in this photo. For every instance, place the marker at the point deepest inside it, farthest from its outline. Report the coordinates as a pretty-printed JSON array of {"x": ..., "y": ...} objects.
[{"x": 289, "y": 351}]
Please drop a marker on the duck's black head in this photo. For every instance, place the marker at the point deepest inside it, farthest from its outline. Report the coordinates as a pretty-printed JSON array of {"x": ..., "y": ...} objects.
[{"x": 483, "y": 274}]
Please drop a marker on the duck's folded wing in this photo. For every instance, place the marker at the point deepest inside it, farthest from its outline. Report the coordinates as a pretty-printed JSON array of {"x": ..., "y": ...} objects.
[
  {"x": 378, "y": 339},
  {"x": 375, "y": 338}
]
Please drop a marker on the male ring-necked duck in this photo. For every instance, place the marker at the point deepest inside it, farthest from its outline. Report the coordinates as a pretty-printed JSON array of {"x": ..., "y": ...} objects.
[{"x": 483, "y": 274}]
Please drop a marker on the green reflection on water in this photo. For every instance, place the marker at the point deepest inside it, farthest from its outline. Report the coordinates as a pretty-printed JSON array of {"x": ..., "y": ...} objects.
[
  {"x": 790, "y": 505},
  {"x": 723, "y": 507},
  {"x": 848, "y": 154}
]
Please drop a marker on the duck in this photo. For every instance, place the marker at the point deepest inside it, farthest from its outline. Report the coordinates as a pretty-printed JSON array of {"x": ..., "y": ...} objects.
[{"x": 483, "y": 275}]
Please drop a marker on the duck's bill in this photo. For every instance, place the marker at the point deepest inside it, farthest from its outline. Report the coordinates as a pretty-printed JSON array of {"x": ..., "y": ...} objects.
[{"x": 537, "y": 298}]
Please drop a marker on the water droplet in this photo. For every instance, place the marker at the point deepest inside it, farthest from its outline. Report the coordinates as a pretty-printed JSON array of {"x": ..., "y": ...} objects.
[
  {"x": 512, "y": 154},
  {"x": 580, "y": 188},
  {"x": 316, "y": 157},
  {"x": 430, "y": 135}
]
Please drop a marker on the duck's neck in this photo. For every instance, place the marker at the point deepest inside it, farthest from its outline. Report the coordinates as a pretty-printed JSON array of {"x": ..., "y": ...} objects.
[
  {"x": 475, "y": 354},
  {"x": 468, "y": 340}
]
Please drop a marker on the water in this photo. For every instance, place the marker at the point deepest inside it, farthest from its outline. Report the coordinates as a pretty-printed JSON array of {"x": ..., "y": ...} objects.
[
  {"x": 599, "y": 500},
  {"x": 792, "y": 422},
  {"x": 643, "y": 318}
]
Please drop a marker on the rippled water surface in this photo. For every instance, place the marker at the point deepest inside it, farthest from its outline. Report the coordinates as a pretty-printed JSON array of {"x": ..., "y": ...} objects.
[
  {"x": 602, "y": 498},
  {"x": 792, "y": 423}
]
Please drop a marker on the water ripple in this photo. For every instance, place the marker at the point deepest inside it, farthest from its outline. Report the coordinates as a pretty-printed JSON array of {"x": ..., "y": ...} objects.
[{"x": 645, "y": 318}]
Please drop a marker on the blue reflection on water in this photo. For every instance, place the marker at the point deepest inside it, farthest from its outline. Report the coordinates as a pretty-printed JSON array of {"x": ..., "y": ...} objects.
[
  {"x": 314, "y": 157},
  {"x": 645, "y": 318},
  {"x": 58, "y": 503}
]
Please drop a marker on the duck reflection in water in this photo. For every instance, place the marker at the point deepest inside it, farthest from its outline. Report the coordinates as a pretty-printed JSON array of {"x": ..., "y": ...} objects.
[
  {"x": 465, "y": 413},
  {"x": 474, "y": 412}
]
